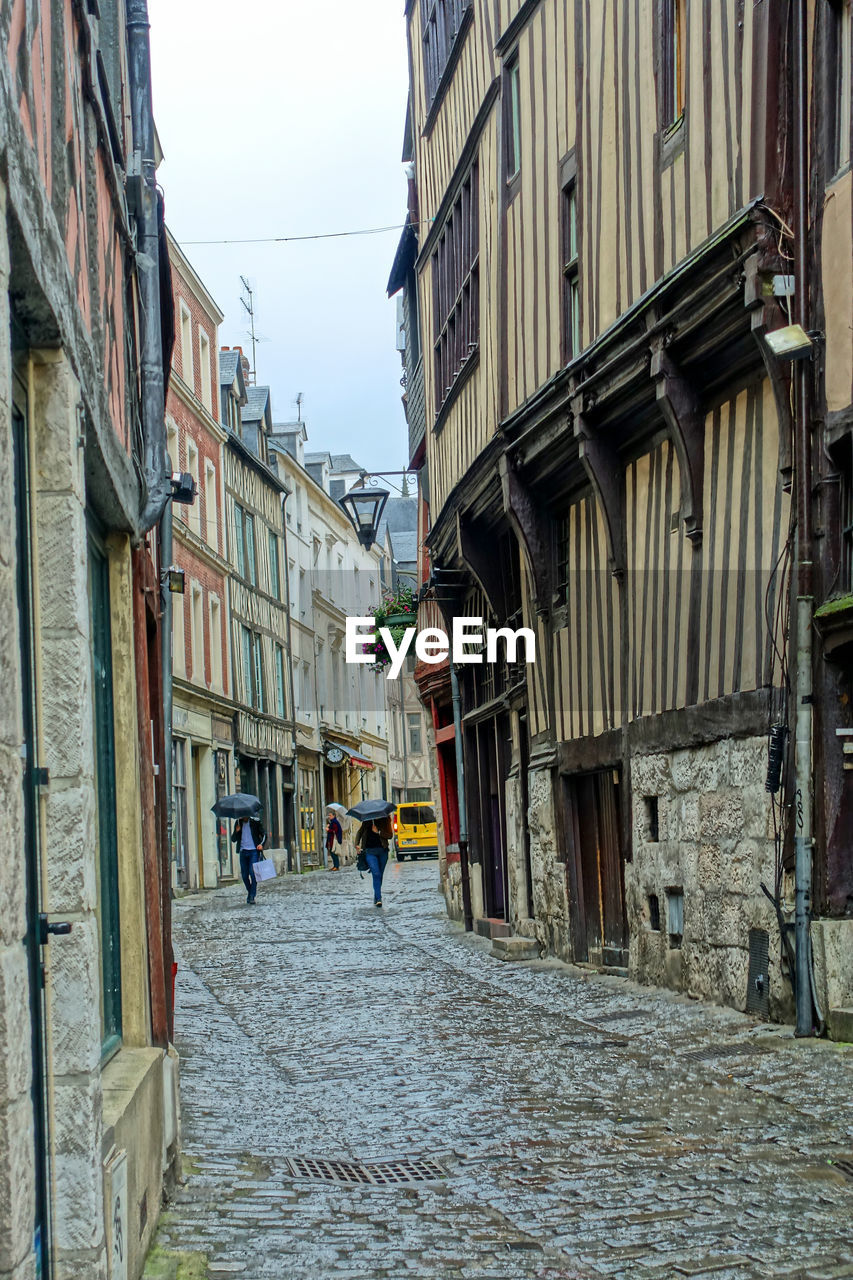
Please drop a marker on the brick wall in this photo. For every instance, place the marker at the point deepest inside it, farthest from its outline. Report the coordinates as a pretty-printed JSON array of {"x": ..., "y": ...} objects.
[{"x": 198, "y": 571}]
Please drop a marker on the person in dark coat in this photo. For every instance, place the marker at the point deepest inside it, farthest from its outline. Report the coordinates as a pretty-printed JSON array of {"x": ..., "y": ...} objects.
[
  {"x": 372, "y": 840},
  {"x": 250, "y": 837},
  {"x": 334, "y": 832}
]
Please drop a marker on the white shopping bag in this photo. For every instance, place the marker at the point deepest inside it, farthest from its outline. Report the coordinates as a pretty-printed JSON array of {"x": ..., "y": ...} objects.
[{"x": 264, "y": 869}]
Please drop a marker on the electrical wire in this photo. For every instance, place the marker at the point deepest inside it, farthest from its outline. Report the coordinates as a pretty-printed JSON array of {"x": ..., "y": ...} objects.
[{"x": 324, "y": 235}]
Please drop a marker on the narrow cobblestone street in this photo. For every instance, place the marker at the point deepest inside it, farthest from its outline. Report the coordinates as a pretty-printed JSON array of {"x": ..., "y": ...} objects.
[{"x": 583, "y": 1126}]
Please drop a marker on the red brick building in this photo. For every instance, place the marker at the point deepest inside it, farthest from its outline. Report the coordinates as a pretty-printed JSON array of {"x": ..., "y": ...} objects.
[{"x": 202, "y": 718}]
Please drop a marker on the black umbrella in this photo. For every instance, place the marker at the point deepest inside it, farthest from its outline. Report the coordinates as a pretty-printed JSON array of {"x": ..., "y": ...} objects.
[
  {"x": 241, "y": 805},
  {"x": 369, "y": 810}
]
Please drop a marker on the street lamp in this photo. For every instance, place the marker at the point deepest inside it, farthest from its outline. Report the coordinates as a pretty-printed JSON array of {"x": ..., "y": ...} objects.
[{"x": 364, "y": 506}]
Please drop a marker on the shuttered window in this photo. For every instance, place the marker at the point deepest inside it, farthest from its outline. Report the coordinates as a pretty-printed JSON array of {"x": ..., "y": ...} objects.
[
  {"x": 456, "y": 289},
  {"x": 442, "y": 23}
]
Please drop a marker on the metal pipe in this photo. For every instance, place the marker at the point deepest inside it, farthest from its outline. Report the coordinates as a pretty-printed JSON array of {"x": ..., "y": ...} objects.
[
  {"x": 152, "y": 391},
  {"x": 803, "y": 753},
  {"x": 460, "y": 797},
  {"x": 294, "y": 744},
  {"x": 166, "y": 659}
]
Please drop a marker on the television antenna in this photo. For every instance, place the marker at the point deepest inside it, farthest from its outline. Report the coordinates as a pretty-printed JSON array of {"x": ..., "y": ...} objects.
[{"x": 248, "y": 301}]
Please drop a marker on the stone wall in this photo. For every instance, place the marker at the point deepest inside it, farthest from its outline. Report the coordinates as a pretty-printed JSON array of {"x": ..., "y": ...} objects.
[
  {"x": 712, "y": 820},
  {"x": 550, "y": 892},
  {"x": 17, "y": 1188}
]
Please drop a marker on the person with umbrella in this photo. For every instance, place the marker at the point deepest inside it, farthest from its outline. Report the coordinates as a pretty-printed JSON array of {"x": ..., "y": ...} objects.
[
  {"x": 372, "y": 839},
  {"x": 334, "y": 831},
  {"x": 248, "y": 834}
]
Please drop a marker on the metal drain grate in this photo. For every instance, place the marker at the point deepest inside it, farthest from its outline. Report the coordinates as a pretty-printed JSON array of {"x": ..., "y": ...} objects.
[
  {"x": 720, "y": 1051},
  {"x": 376, "y": 1173},
  {"x": 622, "y": 1015}
]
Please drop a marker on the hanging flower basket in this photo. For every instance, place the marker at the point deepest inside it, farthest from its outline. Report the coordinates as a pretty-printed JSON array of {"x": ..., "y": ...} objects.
[{"x": 397, "y": 611}]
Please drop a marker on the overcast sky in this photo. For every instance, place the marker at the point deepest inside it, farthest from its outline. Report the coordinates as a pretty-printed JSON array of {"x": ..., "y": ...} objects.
[{"x": 280, "y": 118}]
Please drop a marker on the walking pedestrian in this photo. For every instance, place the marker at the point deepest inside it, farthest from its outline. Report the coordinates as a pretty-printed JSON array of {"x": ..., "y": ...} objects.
[
  {"x": 250, "y": 837},
  {"x": 372, "y": 840},
  {"x": 334, "y": 832}
]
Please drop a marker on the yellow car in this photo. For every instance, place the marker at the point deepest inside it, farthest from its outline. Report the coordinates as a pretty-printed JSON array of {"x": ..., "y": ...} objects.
[{"x": 415, "y": 831}]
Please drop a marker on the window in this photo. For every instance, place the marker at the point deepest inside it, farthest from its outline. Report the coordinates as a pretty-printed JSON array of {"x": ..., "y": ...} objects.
[
  {"x": 571, "y": 289},
  {"x": 186, "y": 343},
  {"x": 205, "y": 390},
  {"x": 259, "y": 674},
  {"x": 672, "y": 58},
  {"x": 275, "y": 579},
  {"x": 442, "y": 21},
  {"x": 211, "y": 524},
  {"x": 172, "y": 444},
  {"x": 415, "y": 738},
  {"x": 652, "y": 819},
  {"x": 675, "y": 916},
  {"x": 455, "y": 285},
  {"x": 180, "y": 841},
  {"x": 279, "y": 682},
  {"x": 654, "y": 912},
  {"x": 179, "y": 653},
  {"x": 105, "y": 788},
  {"x": 249, "y": 534},
  {"x": 247, "y": 646},
  {"x": 840, "y": 89},
  {"x": 562, "y": 553},
  {"x": 194, "y": 508},
  {"x": 197, "y": 633},
  {"x": 215, "y": 643},
  {"x": 239, "y": 542},
  {"x": 512, "y": 121}
]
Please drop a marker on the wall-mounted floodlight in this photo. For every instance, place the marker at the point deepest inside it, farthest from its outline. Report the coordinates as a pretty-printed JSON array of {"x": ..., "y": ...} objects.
[
  {"x": 183, "y": 487},
  {"x": 790, "y": 343},
  {"x": 175, "y": 580}
]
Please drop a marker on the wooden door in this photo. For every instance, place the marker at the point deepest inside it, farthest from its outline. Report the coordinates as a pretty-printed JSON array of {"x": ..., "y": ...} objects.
[{"x": 599, "y": 922}]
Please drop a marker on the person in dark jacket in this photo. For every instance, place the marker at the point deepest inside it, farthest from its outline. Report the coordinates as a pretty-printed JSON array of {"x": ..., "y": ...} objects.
[
  {"x": 334, "y": 832},
  {"x": 250, "y": 837},
  {"x": 372, "y": 840}
]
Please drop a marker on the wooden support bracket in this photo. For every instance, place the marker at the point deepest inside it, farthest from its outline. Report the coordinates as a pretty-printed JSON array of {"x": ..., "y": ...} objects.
[
  {"x": 482, "y": 562},
  {"x": 682, "y": 411},
  {"x": 532, "y": 531},
  {"x": 766, "y": 316},
  {"x": 605, "y": 472}
]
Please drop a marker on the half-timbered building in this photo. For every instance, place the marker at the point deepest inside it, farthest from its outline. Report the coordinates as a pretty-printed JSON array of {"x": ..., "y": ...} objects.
[
  {"x": 260, "y": 655},
  {"x": 601, "y": 238}
]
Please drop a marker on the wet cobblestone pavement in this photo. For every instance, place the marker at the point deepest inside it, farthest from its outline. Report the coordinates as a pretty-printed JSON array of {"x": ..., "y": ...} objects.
[{"x": 577, "y": 1129}]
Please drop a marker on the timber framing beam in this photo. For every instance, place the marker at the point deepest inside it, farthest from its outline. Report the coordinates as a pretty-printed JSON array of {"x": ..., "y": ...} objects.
[{"x": 681, "y": 408}]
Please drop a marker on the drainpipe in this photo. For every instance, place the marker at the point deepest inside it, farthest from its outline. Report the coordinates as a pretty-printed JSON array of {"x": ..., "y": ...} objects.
[
  {"x": 803, "y": 800},
  {"x": 460, "y": 793},
  {"x": 142, "y": 187}
]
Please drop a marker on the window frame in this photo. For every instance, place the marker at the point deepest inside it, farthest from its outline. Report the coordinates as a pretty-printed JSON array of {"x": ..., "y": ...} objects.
[
  {"x": 239, "y": 539},
  {"x": 280, "y": 699},
  {"x": 570, "y": 318},
  {"x": 205, "y": 379},
  {"x": 455, "y": 273},
  {"x": 251, "y": 547},
  {"x": 275, "y": 568},
  {"x": 440, "y": 40},
  {"x": 512, "y": 123},
  {"x": 672, "y": 55},
  {"x": 839, "y": 61},
  {"x": 186, "y": 328}
]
